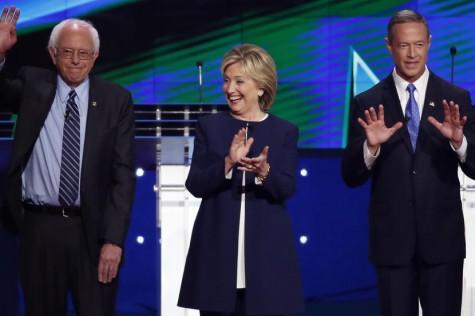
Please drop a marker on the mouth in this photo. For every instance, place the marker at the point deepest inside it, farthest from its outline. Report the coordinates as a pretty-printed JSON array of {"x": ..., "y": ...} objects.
[
  {"x": 234, "y": 99},
  {"x": 412, "y": 64}
]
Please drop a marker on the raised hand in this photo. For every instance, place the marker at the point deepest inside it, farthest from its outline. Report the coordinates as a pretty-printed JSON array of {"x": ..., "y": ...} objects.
[
  {"x": 375, "y": 128},
  {"x": 8, "y": 22},
  {"x": 239, "y": 148},
  {"x": 452, "y": 126}
]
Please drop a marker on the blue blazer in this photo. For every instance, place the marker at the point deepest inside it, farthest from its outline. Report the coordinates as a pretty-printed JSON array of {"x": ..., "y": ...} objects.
[
  {"x": 107, "y": 172},
  {"x": 273, "y": 284},
  {"x": 415, "y": 197}
]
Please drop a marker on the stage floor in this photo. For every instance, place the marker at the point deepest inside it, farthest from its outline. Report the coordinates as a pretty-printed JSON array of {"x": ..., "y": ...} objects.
[{"x": 316, "y": 308}]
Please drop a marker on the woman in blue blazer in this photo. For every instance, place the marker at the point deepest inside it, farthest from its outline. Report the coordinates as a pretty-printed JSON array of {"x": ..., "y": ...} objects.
[{"x": 242, "y": 258}]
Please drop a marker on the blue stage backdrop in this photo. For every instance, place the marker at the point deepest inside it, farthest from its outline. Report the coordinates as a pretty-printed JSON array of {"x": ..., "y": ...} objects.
[{"x": 325, "y": 51}]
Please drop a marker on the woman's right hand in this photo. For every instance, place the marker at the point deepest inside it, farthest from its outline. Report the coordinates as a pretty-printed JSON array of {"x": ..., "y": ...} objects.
[{"x": 239, "y": 148}]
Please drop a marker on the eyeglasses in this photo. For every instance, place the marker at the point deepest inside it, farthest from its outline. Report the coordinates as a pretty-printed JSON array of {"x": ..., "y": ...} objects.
[{"x": 68, "y": 53}]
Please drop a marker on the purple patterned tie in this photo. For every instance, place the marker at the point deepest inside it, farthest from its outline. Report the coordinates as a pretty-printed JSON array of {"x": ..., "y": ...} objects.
[
  {"x": 412, "y": 116},
  {"x": 69, "y": 178}
]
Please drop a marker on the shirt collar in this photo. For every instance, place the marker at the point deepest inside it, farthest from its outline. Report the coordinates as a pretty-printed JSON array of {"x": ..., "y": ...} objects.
[
  {"x": 401, "y": 84},
  {"x": 63, "y": 89}
]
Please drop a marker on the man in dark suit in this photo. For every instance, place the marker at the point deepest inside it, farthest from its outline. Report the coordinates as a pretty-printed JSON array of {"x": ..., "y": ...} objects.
[
  {"x": 416, "y": 223},
  {"x": 71, "y": 182}
]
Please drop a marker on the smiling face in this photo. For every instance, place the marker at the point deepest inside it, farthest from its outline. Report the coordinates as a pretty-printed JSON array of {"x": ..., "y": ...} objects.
[
  {"x": 242, "y": 93},
  {"x": 74, "y": 70},
  {"x": 409, "y": 47}
]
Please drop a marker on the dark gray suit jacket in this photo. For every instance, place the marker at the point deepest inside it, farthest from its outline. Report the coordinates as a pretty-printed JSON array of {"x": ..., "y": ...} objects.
[{"x": 107, "y": 174}]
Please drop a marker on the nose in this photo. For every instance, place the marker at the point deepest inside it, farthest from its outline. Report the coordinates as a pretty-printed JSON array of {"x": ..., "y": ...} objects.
[
  {"x": 228, "y": 87},
  {"x": 75, "y": 58},
  {"x": 411, "y": 51}
]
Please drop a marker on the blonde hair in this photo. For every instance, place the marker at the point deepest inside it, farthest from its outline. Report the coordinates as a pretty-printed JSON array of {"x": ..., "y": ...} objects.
[{"x": 259, "y": 66}]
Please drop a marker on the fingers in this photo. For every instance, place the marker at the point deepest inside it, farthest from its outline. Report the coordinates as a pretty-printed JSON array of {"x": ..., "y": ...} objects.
[
  {"x": 107, "y": 273},
  {"x": 381, "y": 112},
  {"x": 256, "y": 164},
  {"x": 108, "y": 267},
  {"x": 16, "y": 16},
  {"x": 452, "y": 113},
  {"x": 10, "y": 15},
  {"x": 372, "y": 116},
  {"x": 434, "y": 122},
  {"x": 396, "y": 126},
  {"x": 265, "y": 151},
  {"x": 4, "y": 14}
]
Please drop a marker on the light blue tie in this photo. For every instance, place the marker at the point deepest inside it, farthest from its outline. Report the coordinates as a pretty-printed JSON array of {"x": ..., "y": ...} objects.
[
  {"x": 69, "y": 178},
  {"x": 412, "y": 116}
]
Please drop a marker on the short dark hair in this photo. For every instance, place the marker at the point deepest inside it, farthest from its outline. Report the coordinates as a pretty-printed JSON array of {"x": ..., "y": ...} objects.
[{"x": 405, "y": 16}]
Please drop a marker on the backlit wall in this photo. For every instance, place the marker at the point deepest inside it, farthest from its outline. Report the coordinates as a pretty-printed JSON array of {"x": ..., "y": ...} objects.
[{"x": 324, "y": 50}]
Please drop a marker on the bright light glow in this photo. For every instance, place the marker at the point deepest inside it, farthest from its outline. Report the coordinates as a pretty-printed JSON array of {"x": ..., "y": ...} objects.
[
  {"x": 140, "y": 240},
  {"x": 303, "y": 172},
  {"x": 303, "y": 240},
  {"x": 139, "y": 172}
]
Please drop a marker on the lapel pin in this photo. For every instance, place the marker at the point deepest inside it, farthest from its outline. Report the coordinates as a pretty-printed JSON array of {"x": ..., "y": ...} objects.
[
  {"x": 431, "y": 103},
  {"x": 94, "y": 103}
]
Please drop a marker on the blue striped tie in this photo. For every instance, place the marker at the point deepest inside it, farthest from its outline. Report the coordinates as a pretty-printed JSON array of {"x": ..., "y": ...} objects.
[
  {"x": 69, "y": 178},
  {"x": 412, "y": 116}
]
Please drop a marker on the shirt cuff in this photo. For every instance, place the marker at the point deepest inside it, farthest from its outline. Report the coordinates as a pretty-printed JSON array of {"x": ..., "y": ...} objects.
[
  {"x": 229, "y": 175},
  {"x": 462, "y": 151},
  {"x": 257, "y": 181},
  {"x": 369, "y": 159}
]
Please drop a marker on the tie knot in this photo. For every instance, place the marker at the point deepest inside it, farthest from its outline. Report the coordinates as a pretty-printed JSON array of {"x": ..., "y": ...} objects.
[
  {"x": 410, "y": 87},
  {"x": 72, "y": 94}
]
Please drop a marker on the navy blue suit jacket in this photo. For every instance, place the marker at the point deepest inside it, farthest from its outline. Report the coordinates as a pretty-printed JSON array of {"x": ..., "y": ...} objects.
[
  {"x": 273, "y": 283},
  {"x": 415, "y": 197}
]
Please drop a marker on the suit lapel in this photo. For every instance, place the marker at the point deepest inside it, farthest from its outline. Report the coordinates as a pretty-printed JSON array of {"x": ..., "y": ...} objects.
[
  {"x": 93, "y": 120},
  {"x": 432, "y": 107}
]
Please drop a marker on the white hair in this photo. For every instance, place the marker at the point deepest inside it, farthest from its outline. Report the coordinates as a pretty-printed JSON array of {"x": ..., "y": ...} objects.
[{"x": 53, "y": 39}]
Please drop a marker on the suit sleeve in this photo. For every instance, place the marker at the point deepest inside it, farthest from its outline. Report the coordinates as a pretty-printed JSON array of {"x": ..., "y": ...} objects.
[
  {"x": 11, "y": 91},
  {"x": 206, "y": 175},
  {"x": 467, "y": 109},
  {"x": 120, "y": 200},
  {"x": 353, "y": 167},
  {"x": 280, "y": 183}
]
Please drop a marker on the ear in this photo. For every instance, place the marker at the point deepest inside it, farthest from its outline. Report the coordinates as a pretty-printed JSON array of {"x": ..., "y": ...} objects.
[
  {"x": 52, "y": 54},
  {"x": 96, "y": 54},
  {"x": 388, "y": 46}
]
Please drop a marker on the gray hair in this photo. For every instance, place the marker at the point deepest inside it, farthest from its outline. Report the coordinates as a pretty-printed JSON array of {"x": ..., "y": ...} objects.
[
  {"x": 405, "y": 16},
  {"x": 53, "y": 39}
]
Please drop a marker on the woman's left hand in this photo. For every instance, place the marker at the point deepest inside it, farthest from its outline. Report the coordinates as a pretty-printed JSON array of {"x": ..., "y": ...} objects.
[{"x": 258, "y": 164}]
